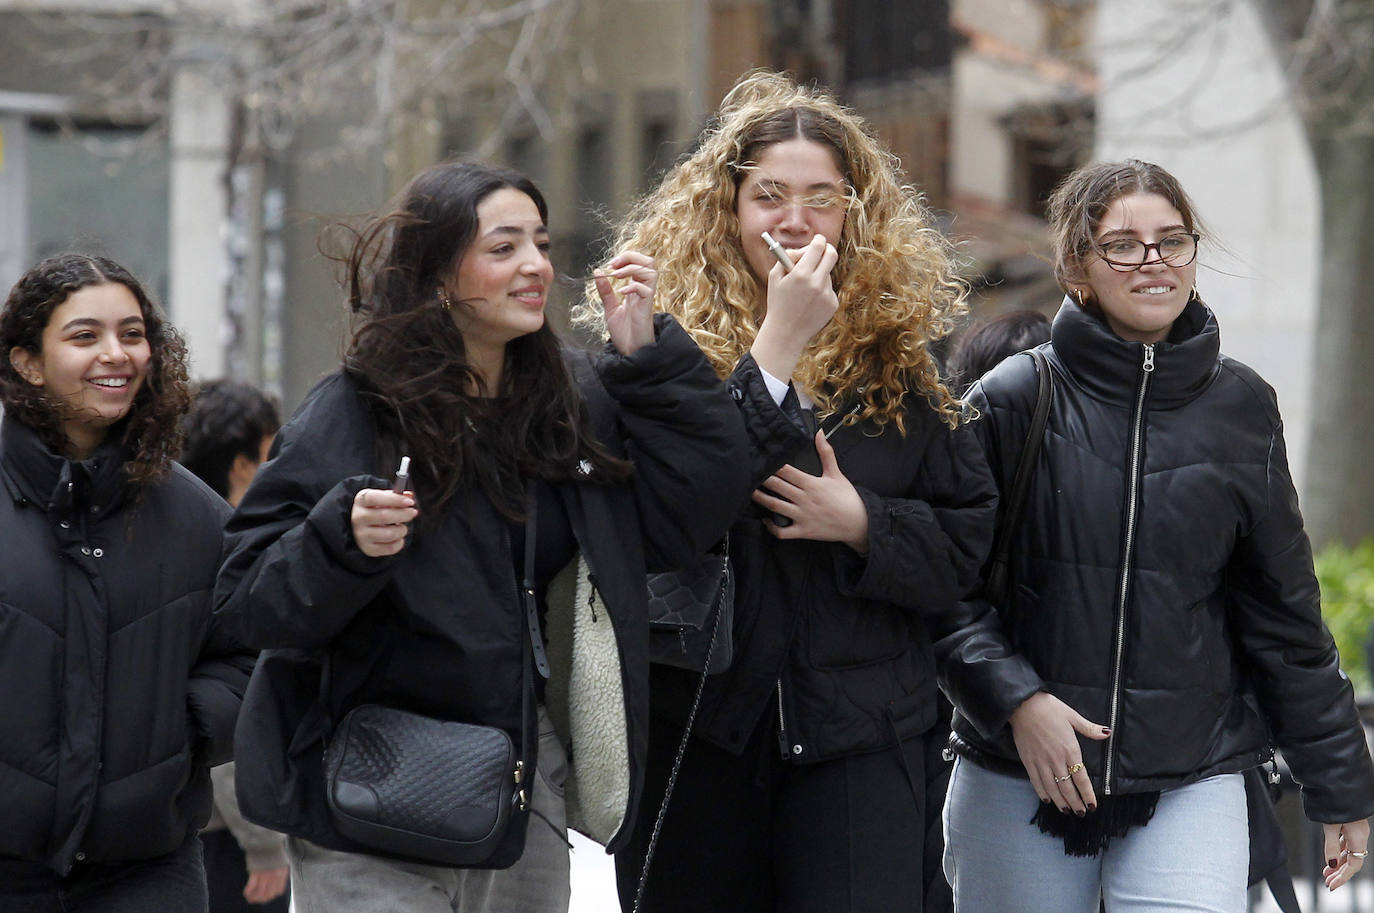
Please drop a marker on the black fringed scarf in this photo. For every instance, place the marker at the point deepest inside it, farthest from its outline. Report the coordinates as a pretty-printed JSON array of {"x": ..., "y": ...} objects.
[{"x": 1091, "y": 834}]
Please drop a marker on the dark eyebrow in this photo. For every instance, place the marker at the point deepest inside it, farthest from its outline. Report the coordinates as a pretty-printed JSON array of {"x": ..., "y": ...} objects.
[
  {"x": 515, "y": 230},
  {"x": 1131, "y": 232},
  {"x": 92, "y": 322}
]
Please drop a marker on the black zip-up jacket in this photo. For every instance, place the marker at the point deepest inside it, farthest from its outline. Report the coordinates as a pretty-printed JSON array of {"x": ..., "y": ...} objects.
[
  {"x": 1162, "y": 584},
  {"x": 835, "y": 644},
  {"x": 119, "y": 690},
  {"x": 439, "y": 629}
]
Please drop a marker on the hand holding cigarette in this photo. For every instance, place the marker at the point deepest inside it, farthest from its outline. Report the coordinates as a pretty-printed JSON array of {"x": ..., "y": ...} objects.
[{"x": 801, "y": 301}]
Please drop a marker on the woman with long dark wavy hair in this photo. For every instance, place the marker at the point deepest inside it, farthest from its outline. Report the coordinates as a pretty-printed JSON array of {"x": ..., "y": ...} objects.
[
  {"x": 120, "y": 689},
  {"x": 409, "y": 598}
]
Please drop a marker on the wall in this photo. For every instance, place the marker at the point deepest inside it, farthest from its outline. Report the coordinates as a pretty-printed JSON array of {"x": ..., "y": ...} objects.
[{"x": 1196, "y": 89}]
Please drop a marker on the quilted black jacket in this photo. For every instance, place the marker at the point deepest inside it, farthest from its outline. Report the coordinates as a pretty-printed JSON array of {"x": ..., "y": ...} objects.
[
  {"x": 119, "y": 689},
  {"x": 438, "y": 629},
  {"x": 839, "y": 642},
  {"x": 1163, "y": 584}
]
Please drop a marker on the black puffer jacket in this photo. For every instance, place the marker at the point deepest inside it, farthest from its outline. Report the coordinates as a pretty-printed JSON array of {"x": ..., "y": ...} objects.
[
  {"x": 843, "y": 640},
  {"x": 119, "y": 691},
  {"x": 438, "y": 629},
  {"x": 1162, "y": 581}
]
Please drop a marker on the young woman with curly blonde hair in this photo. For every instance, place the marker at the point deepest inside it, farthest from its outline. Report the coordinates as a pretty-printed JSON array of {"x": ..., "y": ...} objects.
[{"x": 804, "y": 785}]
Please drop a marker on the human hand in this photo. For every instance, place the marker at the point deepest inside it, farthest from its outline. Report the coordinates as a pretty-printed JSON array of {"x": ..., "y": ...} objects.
[
  {"x": 379, "y": 520},
  {"x": 630, "y": 313},
  {"x": 1045, "y": 730},
  {"x": 801, "y": 301},
  {"x": 266, "y": 885},
  {"x": 826, "y": 508},
  {"x": 1346, "y": 846}
]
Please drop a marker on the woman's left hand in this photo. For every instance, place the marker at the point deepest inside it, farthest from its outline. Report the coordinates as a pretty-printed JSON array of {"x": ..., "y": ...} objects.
[
  {"x": 629, "y": 309},
  {"x": 1346, "y": 846},
  {"x": 826, "y": 507}
]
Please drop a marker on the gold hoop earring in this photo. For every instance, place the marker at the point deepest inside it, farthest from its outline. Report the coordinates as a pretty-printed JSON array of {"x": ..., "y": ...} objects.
[
  {"x": 1194, "y": 296},
  {"x": 444, "y": 301},
  {"x": 1078, "y": 293}
]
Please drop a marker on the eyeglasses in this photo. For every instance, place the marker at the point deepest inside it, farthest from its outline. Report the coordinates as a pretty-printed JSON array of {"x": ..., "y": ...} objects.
[{"x": 1127, "y": 254}]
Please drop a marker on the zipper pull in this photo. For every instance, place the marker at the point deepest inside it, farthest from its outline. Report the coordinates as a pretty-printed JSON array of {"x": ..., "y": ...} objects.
[{"x": 1149, "y": 365}]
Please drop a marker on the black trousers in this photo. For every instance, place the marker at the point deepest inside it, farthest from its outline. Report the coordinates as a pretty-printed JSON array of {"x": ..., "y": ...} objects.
[
  {"x": 755, "y": 833},
  {"x": 174, "y": 883}
]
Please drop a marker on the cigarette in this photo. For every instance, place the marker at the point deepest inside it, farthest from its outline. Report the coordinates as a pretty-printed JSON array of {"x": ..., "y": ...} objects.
[
  {"x": 776, "y": 250},
  {"x": 402, "y": 480}
]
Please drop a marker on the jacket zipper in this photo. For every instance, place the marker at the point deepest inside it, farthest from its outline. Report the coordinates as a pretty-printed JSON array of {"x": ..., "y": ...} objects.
[
  {"x": 784, "y": 741},
  {"x": 1147, "y": 368}
]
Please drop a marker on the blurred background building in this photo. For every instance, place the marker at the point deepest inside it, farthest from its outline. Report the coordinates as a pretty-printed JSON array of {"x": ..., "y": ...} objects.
[{"x": 207, "y": 143}]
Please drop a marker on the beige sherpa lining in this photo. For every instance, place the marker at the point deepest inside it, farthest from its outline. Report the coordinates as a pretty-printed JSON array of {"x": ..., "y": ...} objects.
[{"x": 586, "y": 700}]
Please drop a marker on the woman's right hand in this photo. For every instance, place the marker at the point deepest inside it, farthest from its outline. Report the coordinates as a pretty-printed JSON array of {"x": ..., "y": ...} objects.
[
  {"x": 380, "y": 520},
  {"x": 800, "y": 303},
  {"x": 1046, "y": 732}
]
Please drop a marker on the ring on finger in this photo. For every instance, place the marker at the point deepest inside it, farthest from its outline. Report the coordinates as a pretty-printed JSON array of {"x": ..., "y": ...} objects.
[
  {"x": 1358, "y": 854},
  {"x": 1063, "y": 779},
  {"x": 1075, "y": 769}
]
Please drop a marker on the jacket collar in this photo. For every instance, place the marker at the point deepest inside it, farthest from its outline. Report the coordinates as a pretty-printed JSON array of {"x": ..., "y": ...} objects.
[
  {"x": 1109, "y": 368},
  {"x": 34, "y": 473}
]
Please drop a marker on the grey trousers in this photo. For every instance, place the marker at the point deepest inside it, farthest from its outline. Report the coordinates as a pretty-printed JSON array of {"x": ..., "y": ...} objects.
[{"x": 328, "y": 881}]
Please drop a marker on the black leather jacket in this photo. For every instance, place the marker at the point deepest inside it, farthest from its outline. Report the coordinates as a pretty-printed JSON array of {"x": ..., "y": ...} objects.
[{"x": 1162, "y": 584}]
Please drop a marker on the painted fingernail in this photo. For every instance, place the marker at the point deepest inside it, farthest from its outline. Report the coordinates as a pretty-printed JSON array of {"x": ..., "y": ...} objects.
[
  {"x": 1106, "y": 731},
  {"x": 1331, "y": 862},
  {"x": 1078, "y": 813},
  {"x": 1092, "y": 806}
]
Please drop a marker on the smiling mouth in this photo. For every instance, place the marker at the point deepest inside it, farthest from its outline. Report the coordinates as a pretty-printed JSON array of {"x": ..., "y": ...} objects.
[
  {"x": 111, "y": 383},
  {"x": 1153, "y": 290}
]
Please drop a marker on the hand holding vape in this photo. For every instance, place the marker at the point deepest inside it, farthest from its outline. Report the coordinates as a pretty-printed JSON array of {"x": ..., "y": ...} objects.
[
  {"x": 776, "y": 250},
  {"x": 402, "y": 481}
]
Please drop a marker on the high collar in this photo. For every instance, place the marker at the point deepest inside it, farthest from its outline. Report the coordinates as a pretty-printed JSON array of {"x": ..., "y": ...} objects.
[
  {"x": 56, "y": 484},
  {"x": 1109, "y": 367}
]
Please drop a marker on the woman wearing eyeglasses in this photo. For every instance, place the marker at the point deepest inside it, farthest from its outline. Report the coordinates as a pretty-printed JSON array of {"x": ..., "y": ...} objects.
[{"x": 1162, "y": 632}]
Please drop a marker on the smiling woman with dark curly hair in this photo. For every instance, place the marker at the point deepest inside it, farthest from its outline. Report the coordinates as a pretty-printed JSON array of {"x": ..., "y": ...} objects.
[
  {"x": 120, "y": 688},
  {"x": 815, "y": 281}
]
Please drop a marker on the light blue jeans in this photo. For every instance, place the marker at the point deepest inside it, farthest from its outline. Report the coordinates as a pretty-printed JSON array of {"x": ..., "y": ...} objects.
[
  {"x": 328, "y": 881},
  {"x": 1193, "y": 856}
]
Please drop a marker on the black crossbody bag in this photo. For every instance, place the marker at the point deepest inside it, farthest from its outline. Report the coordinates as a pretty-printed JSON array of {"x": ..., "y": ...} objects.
[{"x": 438, "y": 791}]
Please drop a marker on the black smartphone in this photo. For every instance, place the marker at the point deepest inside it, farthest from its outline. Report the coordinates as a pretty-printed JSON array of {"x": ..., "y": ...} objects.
[{"x": 808, "y": 460}]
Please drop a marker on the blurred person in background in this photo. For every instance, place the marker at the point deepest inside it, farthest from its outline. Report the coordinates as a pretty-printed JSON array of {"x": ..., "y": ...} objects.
[
  {"x": 121, "y": 689},
  {"x": 980, "y": 349},
  {"x": 228, "y": 433}
]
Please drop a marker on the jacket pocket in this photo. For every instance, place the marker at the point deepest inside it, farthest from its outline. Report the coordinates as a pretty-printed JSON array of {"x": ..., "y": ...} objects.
[{"x": 846, "y": 634}]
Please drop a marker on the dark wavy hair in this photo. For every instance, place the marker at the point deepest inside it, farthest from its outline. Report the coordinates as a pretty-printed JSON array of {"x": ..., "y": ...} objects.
[
  {"x": 151, "y": 432},
  {"x": 228, "y": 418},
  {"x": 980, "y": 350},
  {"x": 408, "y": 356}
]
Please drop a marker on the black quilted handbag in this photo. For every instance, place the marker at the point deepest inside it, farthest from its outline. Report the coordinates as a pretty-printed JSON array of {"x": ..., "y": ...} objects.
[
  {"x": 422, "y": 788},
  {"x": 691, "y": 614},
  {"x": 438, "y": 791}
]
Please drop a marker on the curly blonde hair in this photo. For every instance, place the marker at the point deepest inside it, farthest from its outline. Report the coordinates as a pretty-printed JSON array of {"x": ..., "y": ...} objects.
[{"x": 895, "y": 278}]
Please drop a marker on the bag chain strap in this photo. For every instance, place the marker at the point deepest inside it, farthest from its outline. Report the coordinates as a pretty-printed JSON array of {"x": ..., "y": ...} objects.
[{"x": 681, "y": 750}]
